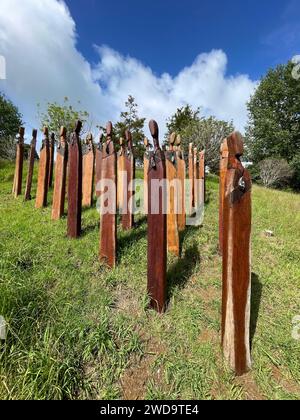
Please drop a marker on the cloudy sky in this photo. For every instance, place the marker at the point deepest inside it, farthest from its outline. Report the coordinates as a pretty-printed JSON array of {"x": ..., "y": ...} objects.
[{"x": 164, "y": 53}]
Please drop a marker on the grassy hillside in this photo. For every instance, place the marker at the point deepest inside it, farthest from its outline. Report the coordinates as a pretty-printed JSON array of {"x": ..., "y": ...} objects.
[{"x": 78, "y": 330}]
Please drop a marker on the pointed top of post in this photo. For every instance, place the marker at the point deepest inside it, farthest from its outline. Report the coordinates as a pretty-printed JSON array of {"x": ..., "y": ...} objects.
[
  {"x": 235, "y": 144},
  {"x": 63, "y": 132},
  {"x": 128, "y": 136},
  {"x": 34, "y": 133},
  {"x": 122, "y": 142},
  {"x": 195, "y": 151},
  {"x": 109, "y": 130},
  {"x": 89, "y": 138},
  {"x": 21, "y": 132},
  {"x": 172, "y": 140},
  {"x": 224, "y": 147},
  {"x": 78, "y": 127},
  {"x": 191, "y": 148},
  {"x": 146, "y": 142},
  {"x": 46, "y": 131},
  {"x": 178, "y": 140},
  {"x": 153, "y": 126},
  {"x": 52, "y": 136}
]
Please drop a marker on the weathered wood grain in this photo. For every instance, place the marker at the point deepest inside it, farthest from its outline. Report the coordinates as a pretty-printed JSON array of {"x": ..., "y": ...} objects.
[
  {"x": 42, "y": 185},
  {"x": 59, "y": 193},
  {"x": 223, "y": 171},
  {"x": 157, "y": 226},
  {"x": 181, "y": 174},
  {"x": 98, "y": 165},
  {"x": 17, "y": 185},
  {"x": 146, "y": 170},
  {"x": 129, "y": 169},
  {"x": 88, "y": 161},
  {"x": 202, "y": 181},
  {"x": 236, "y": 294},
  {"x": 30, "y": 166},
  {"x": 196, "y": 180},
  {"x": 191, "y": 179},
  {"x": 120, "y": 174},
  {"x": 171, "y": 170},
  {"x": 51, "y": 160}
]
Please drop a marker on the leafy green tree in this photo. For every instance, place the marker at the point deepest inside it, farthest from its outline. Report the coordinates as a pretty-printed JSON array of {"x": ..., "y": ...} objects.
[
  {"x": 10, "y": 122},
  {"x": 65, "y": 115},
  {"x": 182, "y": 118},
  {"x": 130, "y": 120}
]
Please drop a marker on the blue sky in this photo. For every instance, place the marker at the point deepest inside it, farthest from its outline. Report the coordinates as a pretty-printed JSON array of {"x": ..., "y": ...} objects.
[
  {"x": 165, "y": 53},
  {"x": 168, "y": 34}
]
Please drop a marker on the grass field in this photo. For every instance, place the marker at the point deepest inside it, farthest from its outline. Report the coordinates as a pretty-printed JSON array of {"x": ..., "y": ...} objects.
[{"x": 78, "y": 330}]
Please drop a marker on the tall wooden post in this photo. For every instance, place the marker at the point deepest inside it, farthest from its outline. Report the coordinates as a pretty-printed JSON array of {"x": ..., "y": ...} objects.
[
  {"x": 59, "y": 192},
  {"x": 223, "y": 171},
  {"x": 98, "y": 164},
  {"x": 42, "y": 186},
  {"x": 191, "y": 179},
  {"x": 129, "y": 167},
  {"x": 172, "y": 226},
  {"x": 88, "y": 160},
  {"x": 17, "y": 185},
  {"x": 181, "y": 173},
  {"x": 236, "y": 295},
  {"x": 51, "y": 159},
  {"x": 120, "y": 174},
  {"x": 30, "y": 166},
  {"x": 108, "y": 224},
  {"x": 146, "y": 169},
  {"x": 75, "y": 183},
  {"x": 196, "y": 179},
  {"x": 202, "y": 178},
  {"x": 157, "y": 225}
]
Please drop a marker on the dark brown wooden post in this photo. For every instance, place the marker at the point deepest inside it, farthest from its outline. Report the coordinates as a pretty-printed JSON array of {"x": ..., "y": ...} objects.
[
  {"x": 98, "y": 164},
  {"x": 30, "y": 166},
  {"x": 120, "y": 174},
  {"x": 181, "y": 173},
  {"x": 236, "y": 296},
  {"x": 146, "y": 169},
  {"x": 42, "y": 186},
  {"x": 17, "y": 185},
  {"x": 108, "y": 224},
  {"x": 171, "y": 170},
  {"x": 51, "y": 160},
  {"x": 88, "y": 171},
  {"x": 59, "y": 193},
  {"x": 75, "y": 183},
  {"x": 129, "y": 169},
  {"x": 191, "y": 179},
  {"x": 223, "y": 171},
  {"x": 157, "y": 225}
]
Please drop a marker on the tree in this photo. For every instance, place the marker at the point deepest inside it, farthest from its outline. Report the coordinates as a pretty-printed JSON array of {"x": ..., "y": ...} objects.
[
  {"x": 274, "y": 116},
  {"x": 129, "y": 120},
  {"x": 10, "y": 122},
  {"x": 182, "y": 118},
  {"x": 207, "y": 134},
  {"x": 275, "y": 172},
  {"x": 65, "y": 115}
]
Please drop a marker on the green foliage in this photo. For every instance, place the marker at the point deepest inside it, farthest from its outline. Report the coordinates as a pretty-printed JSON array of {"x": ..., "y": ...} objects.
[
  {"x": 65, "y": 115},
  {"x": 295, "y": 165},
  {"x": 182, "y": 118},
  {"x": 10, "y": 122},
  {"x": 130, "y": 120}
]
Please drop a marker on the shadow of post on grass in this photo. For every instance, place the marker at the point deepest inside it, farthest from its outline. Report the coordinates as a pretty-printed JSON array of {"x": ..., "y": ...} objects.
[{"x": 256, "y": 296}]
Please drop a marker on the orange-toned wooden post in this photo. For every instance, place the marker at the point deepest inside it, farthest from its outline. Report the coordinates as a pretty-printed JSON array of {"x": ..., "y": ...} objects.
[
  {"x": 59, "y": 193},
  {"x": 129, "y": 169},
  {"x": 17, "y": 185},
  {"x": 223, "y": 171},
  {"x": 43, "y": 173},
  {"x": 88, "y": 161},
  {"x": 181, "y": 174},
  {"x": 172, "y": 226},
  {"x": 51, "y": 160},
  {"x": 30, "y": 166},
  {"x": 191, "y": 179}
]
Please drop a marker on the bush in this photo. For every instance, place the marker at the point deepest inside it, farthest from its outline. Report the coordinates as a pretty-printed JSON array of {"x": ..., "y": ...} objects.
[{"x": 275, "y": 172}]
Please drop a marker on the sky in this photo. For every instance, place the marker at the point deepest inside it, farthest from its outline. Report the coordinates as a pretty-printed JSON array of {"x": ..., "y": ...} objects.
[{"x": 210, "y": 54}]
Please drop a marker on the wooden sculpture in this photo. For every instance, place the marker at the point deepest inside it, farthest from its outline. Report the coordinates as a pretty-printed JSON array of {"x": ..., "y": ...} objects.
[
  {"x": 129, "y": 167},
  {"x": 236, "y": 294},
  {"x": 172, "y": 226},
  {"x": 202, "y": 182},
  {"x": 120, "y": 174},
  {"x": 59, "y": 193},
  {"x": 196, "y": 180},
  {"x": 157, "y": 225},
  {"x": 108, "y": 224},
  {"x": 30, "y": 166},
  {"x": 43, "y": 173},
  {"x": 181, "y": 173},
  {"x": 146, "y": 169},
  {"x": 88, "y": 160},
  {"x": 17, "y": 185},
  {"x": 51, "y": 159},
  {"x": 98, "y": 165},
  {"x": 75, "y": 183},
  {"x": 191, "y": 179},
  {"x": 223, "y": 171}
]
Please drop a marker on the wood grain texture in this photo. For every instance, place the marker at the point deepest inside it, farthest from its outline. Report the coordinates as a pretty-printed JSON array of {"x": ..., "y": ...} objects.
[
  {"x": 30, "y": 166},
  {"x": 157, "y": 227},
  {"x": 172, "y": 225},
  {"x": 223, "y": 171},
  {"x": 51, "y": 159},
  {"x": 146, "y": 170},
  {"x": 59, "y": 193},
  {"x": 108, "y": 223},
  {"x": 191, "y": 179},
  {"x": 74, "y": 184},
  {"x": 120, "y": 174},
  {"x": 181, "y": 174},
  {"x": 129, "y": 169},
  {"x": 88, "y": 164},
  {"x": 236, "y": 293},
  {"x": 202, "y": 180},
  {"x": 98, "y": 165},
  {"x": 43, "y": 173},
  {"x": 17, "y": 184},
  {"x": 196, "y": 179}
]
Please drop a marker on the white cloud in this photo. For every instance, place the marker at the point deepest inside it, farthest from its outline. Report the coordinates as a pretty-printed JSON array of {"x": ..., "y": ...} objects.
[{"x": 38, "y": 40}]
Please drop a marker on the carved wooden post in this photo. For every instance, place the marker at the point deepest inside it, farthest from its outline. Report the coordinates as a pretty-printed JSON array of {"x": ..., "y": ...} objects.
[
  {"x": 88, "y": 158},
  {"x": 59, "y": 192},
  {"x": 120, "y": 175},
  {"x": 157, "y": 225},
  {"x": 191, "y": 179},
  {"x": 108, "y": 225},
  {"x": 17, "y": 185},
  {"x": 146, "y": 169},
  {"x": 223, "y": 171},
  {"x": 129, "y": 167},
  {"x": 196, "y": 179},
  {"x": 236, "y": 296},
  {"x": 51, "y": 159},
  {"x": 172, "y": 226},
  {"x": 75, "y": 183},
  {"x": 202, "y": 178},
  {"x": 30, "y": 166},
  {"x": 42, "y": 186},
  {"x": 181, "y": 173},
  {"x": 98, "y": 165}
]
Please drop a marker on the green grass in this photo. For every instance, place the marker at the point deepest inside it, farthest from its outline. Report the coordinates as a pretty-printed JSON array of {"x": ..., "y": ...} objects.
[{"x": 78, "y": 330}]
